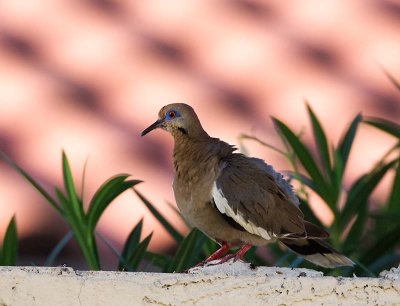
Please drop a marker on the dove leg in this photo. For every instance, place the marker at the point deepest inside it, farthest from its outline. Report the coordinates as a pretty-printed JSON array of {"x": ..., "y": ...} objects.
[
  {"x": 216, "y": 255},
  {"x": 238, "y": 255}
]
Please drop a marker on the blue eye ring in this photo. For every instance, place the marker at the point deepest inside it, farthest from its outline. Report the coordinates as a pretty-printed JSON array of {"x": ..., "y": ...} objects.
[{"x": 171, "y": 114}]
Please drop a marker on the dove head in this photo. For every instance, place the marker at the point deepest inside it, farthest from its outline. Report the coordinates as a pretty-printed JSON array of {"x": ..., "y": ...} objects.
[{"x": 179, "y": 119}]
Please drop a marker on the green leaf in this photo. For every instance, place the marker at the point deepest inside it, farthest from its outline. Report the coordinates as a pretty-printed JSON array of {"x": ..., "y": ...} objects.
[
  {"x": 164, "y": 222},
  {"x": 157, "y": 260},
  {"x": 178, "y": 213},
  {"x": 58, "y": 248},
  {"x": 84, "y": 238},
  {"x": 392, "y": 79},
  {"x": 384, "y": 125},
  {"x": 209, "y": 247},
  {"x": 345, "y": 145},
  {"x": 303, "y": 180},
  {"x": 137, "y": 255},
  {"x": 320, "y": 140},
  {"x": 361, "y": 190},
  {"x": 385, "y": 242},
  {"x": 188, "y": 252},
  {"x": 353, "y": 238},
  {"x": 131, "y": 243},
  {"x": 385, "y": 262},
  {"x": 75, "y": 204},
  {"x": 306, "y": 159},
  {"x": 393, "y": 204},
  {"x": 35, "y": 184},
  {"x": 103, "y": 197},
  {"x": 10, "y": 245},
  {"x": 253, "y": 258}
]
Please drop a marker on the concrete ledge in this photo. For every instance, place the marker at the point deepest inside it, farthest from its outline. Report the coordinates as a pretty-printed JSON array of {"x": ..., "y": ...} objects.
[{"x": 228, "y": 284}]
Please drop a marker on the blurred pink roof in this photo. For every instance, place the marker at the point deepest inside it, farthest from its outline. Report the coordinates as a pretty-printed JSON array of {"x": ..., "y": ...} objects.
[{"x": 89, "y": 76}]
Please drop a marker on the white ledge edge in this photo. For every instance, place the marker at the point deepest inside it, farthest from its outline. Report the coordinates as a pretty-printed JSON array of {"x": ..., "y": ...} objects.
[{"x": 228, "y": 284}]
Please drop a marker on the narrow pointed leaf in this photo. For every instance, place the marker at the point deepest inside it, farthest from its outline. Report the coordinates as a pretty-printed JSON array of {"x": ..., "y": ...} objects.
[
  {"x": 353, "y": 238},
  {"x": 57, "y": 249},
  {"x": 157, "y": 260},
  {"x": 209, "y": 247},
  {"x": 303, "y": 180},
  {"x": 337, "y": 171},
  {"x": 103, "y": 197},
  {"x": 131, "y": 243},
  {"x": 346, "y": 143},
  {"x": 75, "y": 204},
  {"x": 392, "y": 79},
  {"x": 385, "y": 262},
  {"x": 187, "y": 253},
  {"x": 320, "y": 140},
  {"x": 164, "y": 222},
  {"x": 35, "y": 184},
  {"x": 385, "y": 243},
  {"x": 361, "y": 190},
  {"x": 10, "y": 245},
  {"x": 84, "y": 238},
  {"x": 305, "y": 157},
  {"x": 393, "y": 204},
  {"x": 136, "y": 255},
  {"x": 384, "y": 125}
]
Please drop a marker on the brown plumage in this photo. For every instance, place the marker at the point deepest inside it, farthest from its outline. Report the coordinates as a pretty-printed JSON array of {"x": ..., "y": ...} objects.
[{"x": 234, "y": 199}]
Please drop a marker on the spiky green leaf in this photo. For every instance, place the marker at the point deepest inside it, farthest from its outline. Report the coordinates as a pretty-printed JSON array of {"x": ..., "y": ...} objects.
[
  {"x": 34, "y": 183},
  {"x": 393, "y": 204},
  {"x": 346, "y": 143},
  {"x": 131, "y": 243},
  {"x": 321, "y": 142},
  {"x": 188, "y": 252},
  {"x": 306, "y": 159},
  {"x": 103, "y": 197},
  {"x": 160, "y": 218},
  {"x": 361, "y": 190},
  {"x": 10, "y": 245},
  {"x": 74, "y": 203},
  {"x": 58, "y": 248},
  {"x": 387, "y": 126},
  {"x": 135, "y": 257}
]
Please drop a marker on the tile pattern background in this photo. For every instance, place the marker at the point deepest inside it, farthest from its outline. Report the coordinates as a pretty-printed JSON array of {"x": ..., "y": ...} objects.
[{"x": 88, "y": 76}]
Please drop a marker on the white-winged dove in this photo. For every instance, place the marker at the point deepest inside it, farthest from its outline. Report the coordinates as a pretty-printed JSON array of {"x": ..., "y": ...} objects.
[{"x": 234, "y": 199}]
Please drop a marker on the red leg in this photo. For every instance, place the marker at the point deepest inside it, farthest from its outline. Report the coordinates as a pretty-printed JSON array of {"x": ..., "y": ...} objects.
[
  {"x": 216, "y": 255},
  {"x": 238, "y": 255}
]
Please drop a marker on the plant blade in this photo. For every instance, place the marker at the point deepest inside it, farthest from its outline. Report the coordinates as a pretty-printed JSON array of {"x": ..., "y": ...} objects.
[
  {"x": 131, "y": 243},
  {"x": 75, "y": 204},
  {"x": 136, "y": 256},
  {"x": 393, "y": 204},
  {"x": 320, "y": 140},
  {"x": 10, "y": 245},
  {"x": 346, "y": 143},
  {"x": 58, "y": 248},
  {"x": 384, "y": 125},
  {"x": 103, "y": 197},
  {"x": 361, "y": 190},
  {"x": 187, "y": 252},
  {"x": 392, "y": 79},
  {"x": 305, "y": 158},
  {"x": 164, "y": 222},
  {"x": 36, "y": 185}
]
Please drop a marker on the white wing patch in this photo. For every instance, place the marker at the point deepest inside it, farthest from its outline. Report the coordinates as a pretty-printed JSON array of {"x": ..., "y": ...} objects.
[{"x": 222, "y": 205}]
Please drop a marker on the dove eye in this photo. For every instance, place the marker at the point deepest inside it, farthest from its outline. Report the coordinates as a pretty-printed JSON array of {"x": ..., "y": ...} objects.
[{"x": 171, "y": 114}]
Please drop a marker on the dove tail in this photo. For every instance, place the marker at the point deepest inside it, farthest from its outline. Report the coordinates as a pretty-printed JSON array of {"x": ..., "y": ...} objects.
[{"x": 318, "y": 252}]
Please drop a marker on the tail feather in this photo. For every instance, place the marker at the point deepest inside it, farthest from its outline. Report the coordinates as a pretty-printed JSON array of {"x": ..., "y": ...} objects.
[{"x": 318, "y": 252}]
